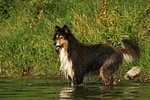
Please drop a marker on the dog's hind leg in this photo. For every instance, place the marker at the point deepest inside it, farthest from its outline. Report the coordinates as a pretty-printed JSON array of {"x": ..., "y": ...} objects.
[
  {"x": 109, "y": 67},
  {"x": 106, "y": 73},
  {"x": 106, "y": 78}
]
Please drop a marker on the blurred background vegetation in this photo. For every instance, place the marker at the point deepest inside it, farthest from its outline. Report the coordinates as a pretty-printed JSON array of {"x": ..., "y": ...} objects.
[{"x": 26, "y": 31}]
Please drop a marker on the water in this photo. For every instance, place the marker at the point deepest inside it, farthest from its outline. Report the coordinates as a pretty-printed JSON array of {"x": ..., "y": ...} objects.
[{"x": 46, "y": 89}]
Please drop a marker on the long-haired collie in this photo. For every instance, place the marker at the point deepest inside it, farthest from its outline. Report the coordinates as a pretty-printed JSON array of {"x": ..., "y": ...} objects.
[{"x": 78, "y": 59}]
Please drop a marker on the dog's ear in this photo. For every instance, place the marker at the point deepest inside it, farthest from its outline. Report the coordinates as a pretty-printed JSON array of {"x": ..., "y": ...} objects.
[
  {"x": 66, "y": 29},
  {"x": 56, "y": 28}
]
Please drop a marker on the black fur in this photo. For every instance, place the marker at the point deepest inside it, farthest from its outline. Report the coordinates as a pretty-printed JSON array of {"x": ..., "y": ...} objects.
[{"x": 99, "y": 59}]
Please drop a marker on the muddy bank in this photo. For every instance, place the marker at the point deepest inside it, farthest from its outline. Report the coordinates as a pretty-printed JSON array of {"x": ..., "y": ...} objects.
[{"x": 143, "y": 77}]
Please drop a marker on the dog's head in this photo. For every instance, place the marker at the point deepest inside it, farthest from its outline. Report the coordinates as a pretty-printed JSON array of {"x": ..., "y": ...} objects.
[{"x": 61, "y": 37}]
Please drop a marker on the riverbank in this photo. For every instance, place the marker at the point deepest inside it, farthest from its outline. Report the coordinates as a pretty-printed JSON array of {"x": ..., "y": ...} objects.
[
  {"x": 27, "y": 27},
  {"x": 143, "y": 77}
]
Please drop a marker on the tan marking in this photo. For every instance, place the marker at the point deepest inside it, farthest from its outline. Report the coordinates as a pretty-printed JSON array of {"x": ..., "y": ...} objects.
[
  {"x": 56, "y": 36},
  {"x": 106, "y": 81}
]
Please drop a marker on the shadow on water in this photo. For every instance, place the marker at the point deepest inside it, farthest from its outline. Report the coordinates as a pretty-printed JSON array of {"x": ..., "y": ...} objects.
[{"x": 41, "y": 89}]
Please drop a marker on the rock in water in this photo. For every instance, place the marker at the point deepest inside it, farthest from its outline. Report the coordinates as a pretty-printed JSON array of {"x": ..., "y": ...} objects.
[{"x": 132, "y": 73}]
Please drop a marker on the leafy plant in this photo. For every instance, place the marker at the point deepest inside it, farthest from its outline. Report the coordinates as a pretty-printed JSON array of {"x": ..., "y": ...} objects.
[{"x": 26, "y": 30}]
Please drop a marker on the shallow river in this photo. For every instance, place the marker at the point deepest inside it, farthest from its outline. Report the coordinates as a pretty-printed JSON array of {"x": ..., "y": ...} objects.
[{"x": 46, "y": 89}]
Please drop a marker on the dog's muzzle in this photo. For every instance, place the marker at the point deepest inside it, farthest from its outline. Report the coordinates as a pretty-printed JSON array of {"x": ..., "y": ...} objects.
[{"x": 58, "y": 46}]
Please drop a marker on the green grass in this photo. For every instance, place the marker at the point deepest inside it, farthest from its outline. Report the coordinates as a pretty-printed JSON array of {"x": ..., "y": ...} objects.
[{"x": 26, "y": 31}]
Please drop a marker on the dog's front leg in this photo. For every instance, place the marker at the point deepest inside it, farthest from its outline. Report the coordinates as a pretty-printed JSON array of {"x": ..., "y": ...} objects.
[{"x": 77, "y": 80}]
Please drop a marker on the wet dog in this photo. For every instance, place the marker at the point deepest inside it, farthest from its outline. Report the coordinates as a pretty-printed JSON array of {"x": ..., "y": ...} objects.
[{"x": 78, "y": 59}]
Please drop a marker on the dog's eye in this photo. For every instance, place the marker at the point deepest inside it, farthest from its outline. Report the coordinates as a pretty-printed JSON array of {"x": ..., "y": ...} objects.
[{"x": 61, "y": 37}]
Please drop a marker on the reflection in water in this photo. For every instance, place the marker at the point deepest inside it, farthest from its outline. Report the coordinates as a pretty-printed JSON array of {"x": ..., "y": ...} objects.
[
  {"x": 21, "y": 89},
  {"x": 66, "y": 93},
  {"x": 103, "y": 92}
]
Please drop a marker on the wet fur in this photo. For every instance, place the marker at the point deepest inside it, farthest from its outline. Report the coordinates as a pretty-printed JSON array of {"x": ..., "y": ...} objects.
[{"x": 78, "y": 59}]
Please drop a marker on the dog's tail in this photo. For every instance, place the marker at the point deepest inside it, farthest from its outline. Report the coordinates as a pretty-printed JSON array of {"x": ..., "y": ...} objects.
[{"x": 131, "y": 53}]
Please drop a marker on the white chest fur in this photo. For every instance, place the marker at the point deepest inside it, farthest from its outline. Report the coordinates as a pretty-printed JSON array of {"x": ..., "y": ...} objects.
[{"x": 65, "y": 64}]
